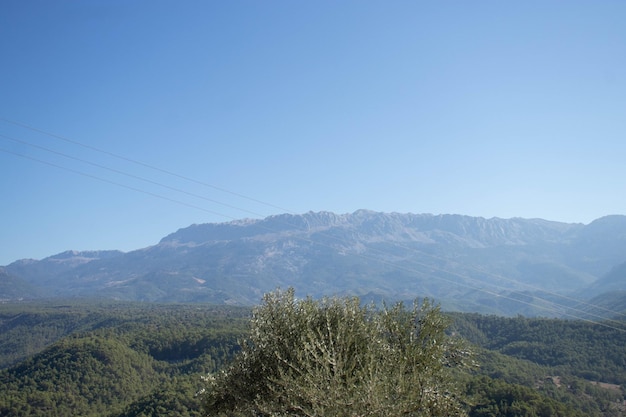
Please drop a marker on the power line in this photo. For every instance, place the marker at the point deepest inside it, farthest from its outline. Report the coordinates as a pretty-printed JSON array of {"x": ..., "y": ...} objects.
[
  {"x": 137, "y": 177},
  {"x": 215, "y": 201},
  {"x": 145, "y": 165},
  {"x": 554, "y": 310},
  {"x": 95, "y": 177},
  {"x": 523, "y": 284},
  {"x": 366, "y": 257}
]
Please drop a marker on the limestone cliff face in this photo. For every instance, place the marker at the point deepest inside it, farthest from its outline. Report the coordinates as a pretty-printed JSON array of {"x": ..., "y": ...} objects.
[{"x": 460, "y": 260}]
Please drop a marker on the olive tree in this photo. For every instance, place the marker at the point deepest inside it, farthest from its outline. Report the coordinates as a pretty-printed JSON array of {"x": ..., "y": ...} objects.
[{"x": 335, "y": 357}]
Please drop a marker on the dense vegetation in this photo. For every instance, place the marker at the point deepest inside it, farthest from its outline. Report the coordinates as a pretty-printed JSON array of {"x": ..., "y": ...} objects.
[
  {"x": 117, "y": 359},
  {"x": 132, "y": 359},
  {"x": 336, "y": 357},
  {"x": 594, "y": 351},
  {"x": 545, "y": 367}
]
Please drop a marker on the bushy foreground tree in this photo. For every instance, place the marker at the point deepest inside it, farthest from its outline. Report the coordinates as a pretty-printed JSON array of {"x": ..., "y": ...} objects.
[{"x": 335, "y": 357}]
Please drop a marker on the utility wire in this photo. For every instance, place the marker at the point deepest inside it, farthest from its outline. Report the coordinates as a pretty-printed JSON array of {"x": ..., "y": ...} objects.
[
  {"x": 366, "y": 257},
  {"x": 370, "y": 258},
  {"x": 523, "y": 284},
  {"x": 329, "y": 236},
  {"x": 560, "y": 311},
  {"x": 137, "y": 177},
  {"x": 143, "y": 164},
  {"x": 248, "y": 211},
  {"x": 95, "y": 177}
]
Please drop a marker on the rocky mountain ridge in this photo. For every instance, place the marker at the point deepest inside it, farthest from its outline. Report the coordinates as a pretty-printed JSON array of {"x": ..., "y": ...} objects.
[
  {"x": 376, "y": 226},
  {"x": 460, "y": 260}
]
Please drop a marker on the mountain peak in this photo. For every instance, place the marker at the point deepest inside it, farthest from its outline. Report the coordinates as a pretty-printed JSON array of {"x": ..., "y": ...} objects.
[
  {"x": 83, "y": 255},
  {"x": 449, "y": 257}
]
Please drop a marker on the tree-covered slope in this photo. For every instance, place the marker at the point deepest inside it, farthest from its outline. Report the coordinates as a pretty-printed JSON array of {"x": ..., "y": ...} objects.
[
  {"x": 591, "y": 350},
  {"x": 108, "y": 359},
  {"x": 134, "y": 359},
  {"x": 78, "y": 376}
]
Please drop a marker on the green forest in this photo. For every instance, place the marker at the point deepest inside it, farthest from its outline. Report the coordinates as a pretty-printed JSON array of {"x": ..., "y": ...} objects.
[{"x": 103, "y": 358}]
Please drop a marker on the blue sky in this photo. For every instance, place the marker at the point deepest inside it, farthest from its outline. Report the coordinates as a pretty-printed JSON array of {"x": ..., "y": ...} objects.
[{"x": 492, "y": 109}]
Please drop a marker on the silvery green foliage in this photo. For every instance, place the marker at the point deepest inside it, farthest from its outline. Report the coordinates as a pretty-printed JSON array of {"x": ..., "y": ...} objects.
[{"x": 335, "y": 357}]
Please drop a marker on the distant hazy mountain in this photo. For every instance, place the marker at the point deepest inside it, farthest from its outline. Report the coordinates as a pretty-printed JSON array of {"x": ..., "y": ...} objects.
[
  {"x": 15, "y": 288},
  {"x": 467, "y": 263},
  {"x": 614, "y": 280}
]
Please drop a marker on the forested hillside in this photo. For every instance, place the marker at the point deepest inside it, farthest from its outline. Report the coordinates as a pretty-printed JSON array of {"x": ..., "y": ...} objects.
[
  {"x": 594, "y": 351},
  {"x": 133, "y": 359},
  {"x": 523, "y": 361},
  {"x": 111, "y": 359}
]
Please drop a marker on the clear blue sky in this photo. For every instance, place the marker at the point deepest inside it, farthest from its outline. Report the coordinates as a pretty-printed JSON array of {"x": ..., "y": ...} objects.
[{"x": 484, "y": 108}]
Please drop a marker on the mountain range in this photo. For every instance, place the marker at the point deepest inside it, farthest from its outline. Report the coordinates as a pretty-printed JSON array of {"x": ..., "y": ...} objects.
[{"x": 503, "y": 266}]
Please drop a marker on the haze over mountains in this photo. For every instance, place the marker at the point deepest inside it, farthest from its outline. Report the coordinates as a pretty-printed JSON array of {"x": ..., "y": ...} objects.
[{"x": 466, "y": 263}]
